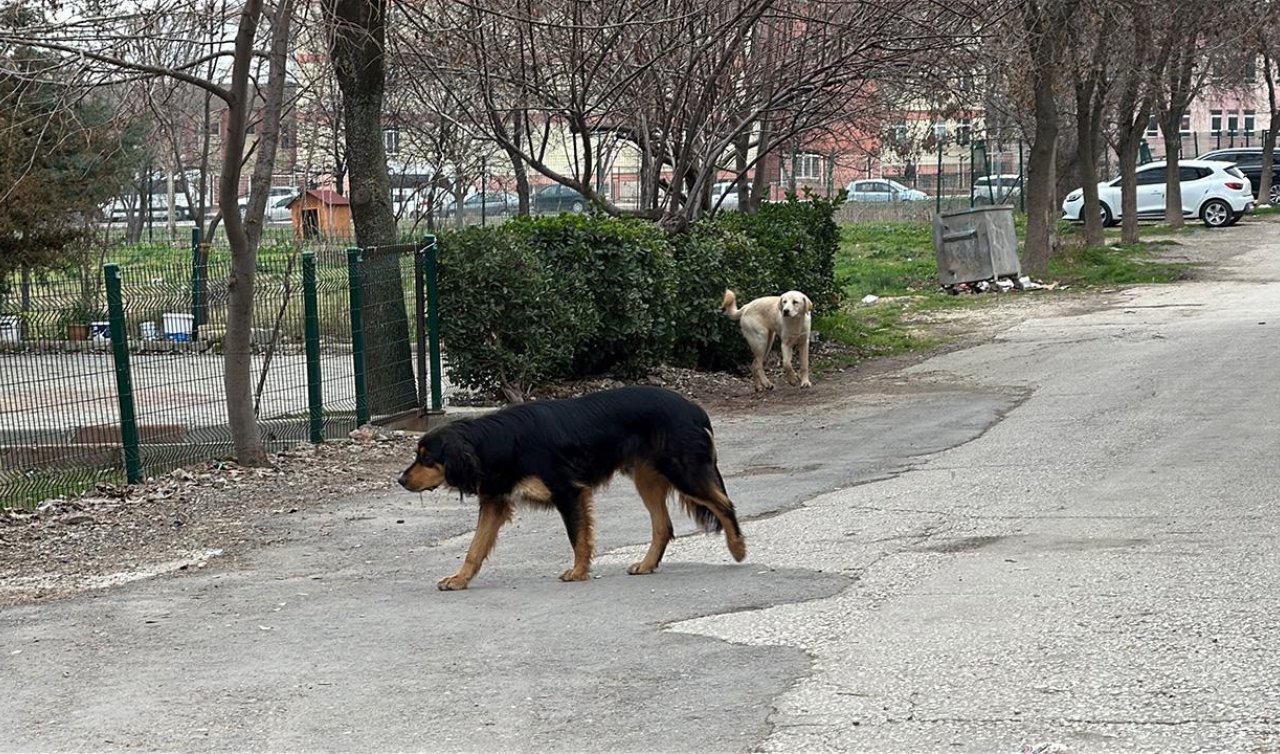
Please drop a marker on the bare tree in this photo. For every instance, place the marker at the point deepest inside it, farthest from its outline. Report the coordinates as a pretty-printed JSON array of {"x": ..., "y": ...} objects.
[
  {"x": 1044, "y": 27},
  {"x": 1261, "y": 43},
  {"x": 1197, "y": 50},
  {"x": 357, "y": 51},
  {"x": 99, "y": 47},
  {"x": 693, "y": 90},
  {"x": 1092, "y": 50}
]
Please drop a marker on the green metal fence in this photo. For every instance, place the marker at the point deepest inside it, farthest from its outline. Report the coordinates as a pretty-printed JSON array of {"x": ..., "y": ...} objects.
[{"x": 116, "y": 373}]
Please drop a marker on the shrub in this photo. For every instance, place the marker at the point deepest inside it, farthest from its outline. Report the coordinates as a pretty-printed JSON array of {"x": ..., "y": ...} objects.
[
  {"x": 799, "y": 241},
  {"x": 619, "y": 275},
  {"x": 709, "y": 258},
  {"x": 542, "y": 299},
  {"x": 501, "y": 316}
]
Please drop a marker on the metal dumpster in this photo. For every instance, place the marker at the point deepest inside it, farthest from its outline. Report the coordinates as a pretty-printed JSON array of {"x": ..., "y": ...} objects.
[{"x": 976, "y": 244}]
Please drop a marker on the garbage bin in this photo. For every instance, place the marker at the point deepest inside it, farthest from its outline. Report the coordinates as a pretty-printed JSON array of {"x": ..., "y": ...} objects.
[{"x": 976, "y": 244}]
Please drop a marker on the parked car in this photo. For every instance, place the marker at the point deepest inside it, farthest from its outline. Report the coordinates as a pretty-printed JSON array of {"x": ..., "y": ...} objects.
[
  {"x": 1249, "y": 161},
  {"x": 489, "y": 204},
  {"x": 275, "y": 194},
  {"x": 997, "y": 189},
  {"x": 1216, "y": 192},
  {"x": 119, "y": 210},
  {"x": 882, "y": 190},
  {"x": 278, "y": 200},
  {"x": 729, "y": 189},
  {"x": 558, "y": 198}
]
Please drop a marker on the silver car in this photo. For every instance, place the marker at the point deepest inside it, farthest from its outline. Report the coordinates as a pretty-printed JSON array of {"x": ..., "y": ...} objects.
[
  {"x": 882, "y": 190},
  {"x": 997, "y": 189}
]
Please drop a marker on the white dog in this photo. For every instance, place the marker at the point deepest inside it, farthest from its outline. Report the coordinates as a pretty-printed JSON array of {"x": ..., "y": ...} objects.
[{"x": 763, "y": 319}]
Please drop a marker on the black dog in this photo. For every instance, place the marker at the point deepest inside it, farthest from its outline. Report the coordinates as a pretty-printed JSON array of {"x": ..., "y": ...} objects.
[{"x": 556, "y": 453}]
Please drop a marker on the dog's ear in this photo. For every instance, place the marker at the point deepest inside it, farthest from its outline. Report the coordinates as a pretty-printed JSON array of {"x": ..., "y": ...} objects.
[
  {"x": 808, "y": 305},
  {"x": 461, "y": 465}
]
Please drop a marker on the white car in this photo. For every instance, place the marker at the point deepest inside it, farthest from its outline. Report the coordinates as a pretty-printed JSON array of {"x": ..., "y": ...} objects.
[
  {"x": 278, "y": 199},
  {"x": 1216, "y": 192},
  {"x": 730, "y": 191},
  {"x": 882, "y": 190},
  {"x": 997, "y": 189}
]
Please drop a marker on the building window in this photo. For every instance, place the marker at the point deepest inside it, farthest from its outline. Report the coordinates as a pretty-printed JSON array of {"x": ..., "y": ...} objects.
[
  {"x": 1250, "y": 118},
  {"x": 1233, "y": 122},
  {"x": 1215, "y": 121},
  {"x": 1153, "y": 127},
  {"x": 1185, "y": 127},
  {"x": 391, "y": 141},
  {"x": 809, "y": 166}
]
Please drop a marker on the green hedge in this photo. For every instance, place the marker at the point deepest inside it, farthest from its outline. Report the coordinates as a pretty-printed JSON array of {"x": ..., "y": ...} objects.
[{"x": 542, "y": 299}]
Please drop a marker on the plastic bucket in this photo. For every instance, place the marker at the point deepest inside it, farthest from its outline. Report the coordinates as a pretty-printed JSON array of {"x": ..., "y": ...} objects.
[
  {"x": 10, "y": 328},
  {"x": 178, "y": 326},
  {"x": 149, "y": 331}
]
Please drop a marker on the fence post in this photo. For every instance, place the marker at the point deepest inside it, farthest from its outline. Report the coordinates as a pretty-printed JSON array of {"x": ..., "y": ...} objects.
[
  {"x": 433, "y": 319},
  {"x": 124, "y": 378},
  {"x": 420, "y": 321},
  {"x": 355, "y": 279},
  {"x": 197, "y": 284},
  {"x": 311, "y": 330},
  {"x": 1022, "y": 171}
]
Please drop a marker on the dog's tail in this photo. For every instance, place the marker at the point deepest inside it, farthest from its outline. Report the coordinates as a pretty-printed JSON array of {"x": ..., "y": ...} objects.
[{"x": 730, "y": 305}]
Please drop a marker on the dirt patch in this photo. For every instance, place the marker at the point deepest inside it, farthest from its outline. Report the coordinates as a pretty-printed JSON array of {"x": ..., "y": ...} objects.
[{"x": 215, "y": 512}]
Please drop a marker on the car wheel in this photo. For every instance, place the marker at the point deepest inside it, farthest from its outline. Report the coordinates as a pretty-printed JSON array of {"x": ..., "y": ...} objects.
[
  {"x": 1275, "y": 193},
  {"x": 1216, "y": 213},
  {"x": 1108, "y": 219},
  {"x": 578, "y": 207}
]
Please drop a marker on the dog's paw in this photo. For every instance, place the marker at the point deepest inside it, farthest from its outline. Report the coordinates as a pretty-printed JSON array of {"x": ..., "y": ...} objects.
[
  {"x": 805, "y": 383},
  {"x": 575, "y": 575},
  {"x": 640, "y": 569},
  {"x": 453, "y": 583}
]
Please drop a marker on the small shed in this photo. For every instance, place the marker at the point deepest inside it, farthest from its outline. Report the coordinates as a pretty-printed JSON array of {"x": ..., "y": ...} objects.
[{"x": 321, "y": 212}]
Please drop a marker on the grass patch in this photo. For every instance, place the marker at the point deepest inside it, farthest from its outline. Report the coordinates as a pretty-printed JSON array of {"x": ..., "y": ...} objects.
[
  {"x": 886, "y": 259},
  {"x": 25, "y": 489},
  {"x": 1120, "y": 264},
  {"x": 896, "y": 261}
]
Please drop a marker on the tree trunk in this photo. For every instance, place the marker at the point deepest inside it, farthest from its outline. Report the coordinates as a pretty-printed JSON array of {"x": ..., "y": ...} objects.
[
  {"x": 1172, "y": 180},
  {"x": 518, "y": 166},
  {"x": 1127, "y": 156},
  {"x": 1269, "y": 139},
  {"x": 1088, "y": 131},
  {"x": 236, "y": 344},
  {"x": 357, "y": 45},
  {"x": 1040, "y": 183},
  {"x": 760, "y": 179},
  {"x": 1046, "y": 27}
]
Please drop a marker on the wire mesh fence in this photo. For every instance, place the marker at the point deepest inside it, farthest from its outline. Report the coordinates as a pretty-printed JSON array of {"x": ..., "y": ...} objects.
[{"x": 65, "y": 349}]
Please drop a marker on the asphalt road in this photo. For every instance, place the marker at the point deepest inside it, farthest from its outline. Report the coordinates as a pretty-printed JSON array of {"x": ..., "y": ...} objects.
[{"x": 1065, "y": 536}]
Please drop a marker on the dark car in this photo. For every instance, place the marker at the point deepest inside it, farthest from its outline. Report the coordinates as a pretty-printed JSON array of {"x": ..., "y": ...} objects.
[
  {"x": 491, "y": 204},
  {"x": 558, "y": 198},
  {"x": 1249, "y": 160}
]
